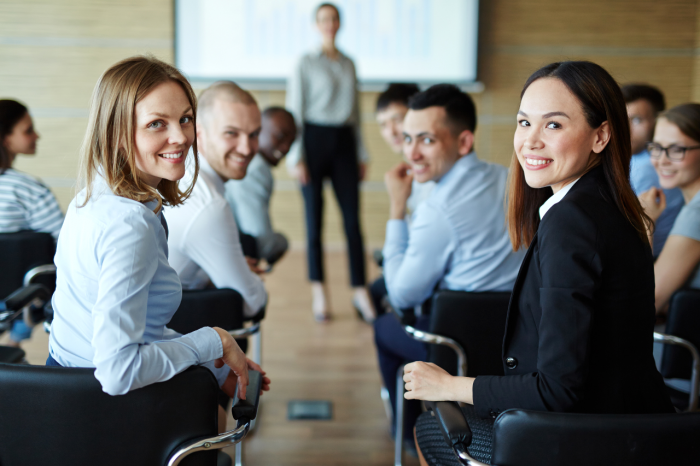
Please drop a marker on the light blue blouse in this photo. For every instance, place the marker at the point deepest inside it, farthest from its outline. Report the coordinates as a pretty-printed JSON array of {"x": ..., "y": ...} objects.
[
  {"x": 115, "y": 293},
  {"x": 688, "y": 224},
  {"x": 457, "y": 239}
]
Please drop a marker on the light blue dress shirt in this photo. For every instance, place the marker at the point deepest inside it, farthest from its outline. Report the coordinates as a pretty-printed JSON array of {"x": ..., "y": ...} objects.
[
  {"x": 115, "y": 293},
  {"x": 457, "y": 239},
  {"x": 642, "y": 177}
]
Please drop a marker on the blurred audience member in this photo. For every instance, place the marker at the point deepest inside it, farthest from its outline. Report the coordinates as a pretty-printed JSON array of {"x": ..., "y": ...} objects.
[
  {"x": 204, "y": 241},
  {"x": 675, "y": 154},
  {"x": 457, "y": 239},
  {"x": 392, "y": 106},
  {"x": 249, "y": 197},
  {"x": 323, "y": 96},
  {"x": 25, "y": 202},
  {"x": 644, "y": 103}
]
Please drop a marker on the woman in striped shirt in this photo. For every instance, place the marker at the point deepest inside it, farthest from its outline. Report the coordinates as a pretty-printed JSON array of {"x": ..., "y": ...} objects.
[{"x": 25, "y": 203}]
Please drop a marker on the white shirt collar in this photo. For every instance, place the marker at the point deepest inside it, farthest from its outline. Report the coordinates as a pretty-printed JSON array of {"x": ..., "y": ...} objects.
[
  {"x": 211, "y": 174},
  {"x": 556, "y": 197}
]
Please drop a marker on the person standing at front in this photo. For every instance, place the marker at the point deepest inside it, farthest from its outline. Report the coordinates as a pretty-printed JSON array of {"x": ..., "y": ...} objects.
[{"x": 322, "y": 95}]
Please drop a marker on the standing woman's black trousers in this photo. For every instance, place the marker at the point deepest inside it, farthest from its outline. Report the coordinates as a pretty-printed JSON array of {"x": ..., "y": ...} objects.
[{"x": 331, "y": 152}]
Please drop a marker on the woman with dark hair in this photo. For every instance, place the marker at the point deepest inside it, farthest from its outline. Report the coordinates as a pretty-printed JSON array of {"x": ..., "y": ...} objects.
[
  {"x": 675, "y": 154},
  {"x": 25, "y": 202},
  {"x": 323, "y": 97},
  {"x": 579, "y": 332}
]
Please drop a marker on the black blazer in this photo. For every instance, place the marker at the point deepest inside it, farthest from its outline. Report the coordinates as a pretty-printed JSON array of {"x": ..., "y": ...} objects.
[{"x": 579, "y": 332}]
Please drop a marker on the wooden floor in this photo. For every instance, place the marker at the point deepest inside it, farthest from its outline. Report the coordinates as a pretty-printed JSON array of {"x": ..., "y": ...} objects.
[{"x": 307, "y": 360}]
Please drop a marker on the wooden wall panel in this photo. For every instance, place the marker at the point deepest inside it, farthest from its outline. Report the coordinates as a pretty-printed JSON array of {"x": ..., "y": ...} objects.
[{"x": 52, "y": 52}]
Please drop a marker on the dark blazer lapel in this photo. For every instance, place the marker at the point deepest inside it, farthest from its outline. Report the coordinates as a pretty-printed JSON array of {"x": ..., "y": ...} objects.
[{"x": 514, "y": 296}]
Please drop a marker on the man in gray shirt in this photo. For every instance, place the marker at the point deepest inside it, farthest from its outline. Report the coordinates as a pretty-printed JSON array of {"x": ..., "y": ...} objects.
[{"x": 249, "y": 198}]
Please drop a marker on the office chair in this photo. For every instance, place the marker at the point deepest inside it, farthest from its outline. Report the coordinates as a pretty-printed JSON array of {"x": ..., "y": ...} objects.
[
  {"x": 466, "y": 337},
  {"x": 681, "y": 360},
  {"x": 61, "y": 416},
  {"x": 523, "y": 437},
  {"x": 27, "y": 280}
]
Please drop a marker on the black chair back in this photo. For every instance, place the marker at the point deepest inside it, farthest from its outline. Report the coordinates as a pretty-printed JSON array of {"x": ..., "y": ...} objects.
[
  {"x": 61, "y": 416},
  {"x": 556, "y": 439},
  {"x": 20, "y": 252},
  {"x": 683, "y": 322},
  {"x": 209, "y": 308},
  {"x": 477, "y": 321}
]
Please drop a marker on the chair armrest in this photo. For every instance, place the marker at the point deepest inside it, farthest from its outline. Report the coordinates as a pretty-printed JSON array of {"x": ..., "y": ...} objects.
[
  {"x": 434, "y": 339},
  {"x": 25, "y": 295},
  {"x": 694, "y": 379},
  {"x": 245, "y": 332},
  {"x": 454, "y": 428},
  {"x": 39, "y": 270},
  {"x": 246, "y": 410}
]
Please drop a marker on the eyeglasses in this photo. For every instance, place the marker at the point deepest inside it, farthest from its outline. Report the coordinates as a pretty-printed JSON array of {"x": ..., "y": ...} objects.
[{"x": 673, "y": 152}]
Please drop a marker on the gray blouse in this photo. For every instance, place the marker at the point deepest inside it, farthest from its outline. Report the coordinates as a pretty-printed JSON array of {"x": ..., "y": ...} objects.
[{"x": 323, "y": 91}]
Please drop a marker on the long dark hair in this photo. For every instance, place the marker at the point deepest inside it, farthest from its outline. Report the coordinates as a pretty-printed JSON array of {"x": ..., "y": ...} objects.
[
  {"x": 11, "y": 112},
  {"x": 601, "y": 100}
]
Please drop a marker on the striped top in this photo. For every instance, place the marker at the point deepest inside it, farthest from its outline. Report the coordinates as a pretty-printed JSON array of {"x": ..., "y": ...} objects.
[{"x": 26, "y": 204}]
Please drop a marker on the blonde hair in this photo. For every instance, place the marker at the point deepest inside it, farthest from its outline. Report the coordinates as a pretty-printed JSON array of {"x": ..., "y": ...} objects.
[{"x": 109, "y": 146}]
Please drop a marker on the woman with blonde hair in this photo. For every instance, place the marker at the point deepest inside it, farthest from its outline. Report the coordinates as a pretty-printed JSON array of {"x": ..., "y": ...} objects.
[{"x": 115, "y": 290}]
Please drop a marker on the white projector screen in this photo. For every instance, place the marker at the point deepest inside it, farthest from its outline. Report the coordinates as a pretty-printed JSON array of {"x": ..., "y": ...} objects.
[{"x": 389, "y": 40}]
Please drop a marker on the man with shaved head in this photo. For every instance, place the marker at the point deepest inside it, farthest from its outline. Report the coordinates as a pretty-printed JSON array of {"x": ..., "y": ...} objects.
[
  {"x": 204, "y": 245},
  {"x": 249, "y": 198}
]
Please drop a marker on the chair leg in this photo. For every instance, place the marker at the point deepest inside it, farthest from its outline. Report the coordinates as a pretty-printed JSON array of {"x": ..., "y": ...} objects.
[
  {"x": 386, "y": 401},
  {"x": 257, "y": 346},
  {"x": 238, "y": 461},
  {"x": 398, "y": 439},
  {"x": 257, "y": 357}
]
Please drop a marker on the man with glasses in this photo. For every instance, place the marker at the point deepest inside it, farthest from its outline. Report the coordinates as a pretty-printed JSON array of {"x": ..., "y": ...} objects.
[{"x": 644, "y": 103}]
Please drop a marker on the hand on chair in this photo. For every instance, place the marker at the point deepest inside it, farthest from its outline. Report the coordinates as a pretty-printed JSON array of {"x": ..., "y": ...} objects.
[
  {"x": 427, "y": 381},
  {"x": 236, "y": 359}
]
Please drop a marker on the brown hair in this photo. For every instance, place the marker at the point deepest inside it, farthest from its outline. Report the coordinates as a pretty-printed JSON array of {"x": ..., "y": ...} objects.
[
  {"x": 686, "y": 117},
  {"x": 601, "y": 100},
  {"x": 327, "y": 5},
  {"x": 11, "y": 112},
  {"x": 108, "y": 146}
]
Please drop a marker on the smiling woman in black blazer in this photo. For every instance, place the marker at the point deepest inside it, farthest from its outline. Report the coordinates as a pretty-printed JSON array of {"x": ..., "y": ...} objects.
[{"x": 580, "y": 322}]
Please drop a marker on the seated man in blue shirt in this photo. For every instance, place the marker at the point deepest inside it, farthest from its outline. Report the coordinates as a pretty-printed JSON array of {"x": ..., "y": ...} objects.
[
  {"x": 249, "y": 198},
  {"x": 457, "y": 239},
  {"x": 644, "y": 103}
]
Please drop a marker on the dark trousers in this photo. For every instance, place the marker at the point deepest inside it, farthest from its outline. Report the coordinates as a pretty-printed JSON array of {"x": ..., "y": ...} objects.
[
  {"x": 394, "y": 349},
  {"x": 331, "y": 152}
]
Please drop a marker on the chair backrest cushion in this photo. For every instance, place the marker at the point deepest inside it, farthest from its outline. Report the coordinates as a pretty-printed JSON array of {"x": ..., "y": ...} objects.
[
  {"x": 683, "y": 322},
  {"x": 61, "y": 416},
  {"x": 20, "y": 252},
  {"x": 477, "y": 321},
  {"x": 556, "y": 439}
]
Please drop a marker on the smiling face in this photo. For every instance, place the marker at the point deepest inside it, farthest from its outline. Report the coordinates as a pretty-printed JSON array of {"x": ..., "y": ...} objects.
[
  {"x": 390, "y": 121},
  {"x": 22, "y": 139},
  {"x": 553, "y": 141},
  {"x": 277, "y": 136},
  {"x": 642, "y": 119},
  {"x": 328, "y": 23},
  {"x": 676, "y": 174},
  {"x": 430, "y": 145},
  {"x": 164, "y": 133},
  {"x": 228, "y": 139}
]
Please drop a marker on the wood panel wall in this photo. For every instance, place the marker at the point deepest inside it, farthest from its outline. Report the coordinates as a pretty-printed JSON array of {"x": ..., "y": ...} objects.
[{"x": 53, "y": 51}]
